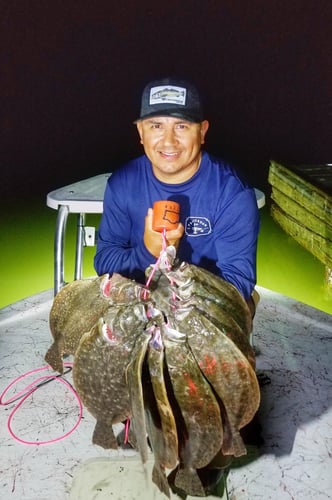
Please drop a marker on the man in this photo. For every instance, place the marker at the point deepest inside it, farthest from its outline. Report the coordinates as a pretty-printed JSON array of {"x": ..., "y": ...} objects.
[{"x": 219, "y": 219}]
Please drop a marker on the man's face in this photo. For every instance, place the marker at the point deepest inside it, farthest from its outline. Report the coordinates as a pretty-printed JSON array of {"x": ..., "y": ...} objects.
[{"x": 173, "y": 146}]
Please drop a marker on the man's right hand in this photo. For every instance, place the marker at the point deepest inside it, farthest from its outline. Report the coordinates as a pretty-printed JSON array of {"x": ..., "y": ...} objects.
[{"x": 153, "y": 239}]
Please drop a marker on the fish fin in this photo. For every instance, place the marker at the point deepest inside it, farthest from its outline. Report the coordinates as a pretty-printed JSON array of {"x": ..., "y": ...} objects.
[
  {"x": 187, "y": 479},
  {"x": 233, "y": 444},
  {"x": 103, "y": 436},
  {"x": 171, "y": 481},
  {"x": 135, "y": 388},
  {"x": 53, "y": 358},
  {"x": 238, "y": 444},
  {"x": 159, "y": 478}
]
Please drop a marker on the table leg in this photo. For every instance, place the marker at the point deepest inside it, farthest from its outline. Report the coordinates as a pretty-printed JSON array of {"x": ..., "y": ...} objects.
[
  {"x": 59, "y": 248},
  {"x": 79, "y": 246}
]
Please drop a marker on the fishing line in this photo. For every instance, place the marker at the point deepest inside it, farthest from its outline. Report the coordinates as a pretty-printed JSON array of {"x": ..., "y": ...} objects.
[
  {"x": 157, "y": 263},
  {"x": 28, "y": 391},
  {"x": 148, "y": 282},
  {"x": 127, "y": 427}
]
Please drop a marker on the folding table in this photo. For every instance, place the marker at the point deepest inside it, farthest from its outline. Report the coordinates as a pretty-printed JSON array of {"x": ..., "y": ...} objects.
[{"x": 83, "y": 197}]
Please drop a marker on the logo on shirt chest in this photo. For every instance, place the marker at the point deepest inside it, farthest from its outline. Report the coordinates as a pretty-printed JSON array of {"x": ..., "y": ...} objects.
[{"x": 197, "y": 226}]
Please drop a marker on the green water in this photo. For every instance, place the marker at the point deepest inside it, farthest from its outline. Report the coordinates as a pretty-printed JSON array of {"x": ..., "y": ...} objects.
[{"x": 26, "y": 258}]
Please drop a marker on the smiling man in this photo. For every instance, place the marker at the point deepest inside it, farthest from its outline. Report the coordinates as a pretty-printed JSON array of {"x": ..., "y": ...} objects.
[
  {"x": 173, "y": 146},
  {"x": 219, "y": 219}
]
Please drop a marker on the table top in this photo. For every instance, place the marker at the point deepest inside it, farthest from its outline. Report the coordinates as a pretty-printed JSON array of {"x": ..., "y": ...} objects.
[{"x": 86, "y": 196}]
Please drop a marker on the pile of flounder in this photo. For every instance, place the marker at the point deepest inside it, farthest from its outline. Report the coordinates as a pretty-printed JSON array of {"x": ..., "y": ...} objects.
[{"x": 173, "y": 357}]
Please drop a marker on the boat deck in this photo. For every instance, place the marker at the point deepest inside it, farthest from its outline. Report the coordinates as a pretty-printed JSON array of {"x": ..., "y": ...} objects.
[{"x": 295, "y": 462}]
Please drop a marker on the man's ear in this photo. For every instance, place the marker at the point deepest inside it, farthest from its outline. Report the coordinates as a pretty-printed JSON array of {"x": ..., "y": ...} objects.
[
  {"x": 140, "y": 130},
  {"x": 204, "y": 129}
]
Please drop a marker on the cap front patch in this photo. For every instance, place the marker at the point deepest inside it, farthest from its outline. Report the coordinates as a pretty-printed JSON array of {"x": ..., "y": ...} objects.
[{"x": 168, "y": 94}]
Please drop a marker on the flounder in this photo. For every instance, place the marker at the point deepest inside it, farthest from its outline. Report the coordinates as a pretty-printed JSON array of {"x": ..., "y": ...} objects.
[
  {"x": 123, "y": 290},
  {"x": 133, "y": 376},
  {"x": 228, "y": 371},
  {"x": 172, "y": 356},
  {"x": 222, "y": 320},
  {"x": 203, "y": 433},
  {"x": 75, "y": 309},
  {"x": 99, "y": 368},
  {"x": 160, "y": 421},
  {"x": 192, "y": 280},
  {"x": 79, "y": 305}
]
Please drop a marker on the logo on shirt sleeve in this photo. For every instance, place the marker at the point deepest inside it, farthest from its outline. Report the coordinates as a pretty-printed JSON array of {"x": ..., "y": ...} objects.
[{"x": 197, "y": 226}]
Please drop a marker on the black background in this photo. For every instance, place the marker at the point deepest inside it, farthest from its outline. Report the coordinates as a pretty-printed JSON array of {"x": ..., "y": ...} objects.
[{"x": 72, "y": 76}]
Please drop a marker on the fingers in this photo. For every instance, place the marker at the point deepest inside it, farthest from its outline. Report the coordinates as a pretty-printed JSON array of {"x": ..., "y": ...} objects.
[
  {"x": 153, "y": 239},
  {"x": 174, "y": 236},
  {"x": 149, "y": 219}
]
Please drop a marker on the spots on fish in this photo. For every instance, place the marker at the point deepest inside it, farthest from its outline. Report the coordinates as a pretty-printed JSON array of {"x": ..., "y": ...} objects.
[
  {"x": 75, "y": 310},
  {"x": 192, "y": 387},
  {"x": 208, "y": 364}
]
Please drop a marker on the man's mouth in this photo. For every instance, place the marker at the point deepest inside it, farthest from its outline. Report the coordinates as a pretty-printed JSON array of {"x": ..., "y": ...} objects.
[{"x": 168, "y": 154}]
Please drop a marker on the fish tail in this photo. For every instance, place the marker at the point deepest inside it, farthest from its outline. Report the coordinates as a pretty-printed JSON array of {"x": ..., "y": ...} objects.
[
  {"x": 159, "y": 478},
  {"x": 187, "y": 479},
  {"x": 103, "y": 436},
  {"x": 239, "y": 446},
  {"x": 233, "y": 444},
  {"x": 53, "y": 358}
]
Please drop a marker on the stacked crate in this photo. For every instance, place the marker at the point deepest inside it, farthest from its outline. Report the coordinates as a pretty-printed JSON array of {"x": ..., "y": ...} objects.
[{"x": 301, "y": 203}]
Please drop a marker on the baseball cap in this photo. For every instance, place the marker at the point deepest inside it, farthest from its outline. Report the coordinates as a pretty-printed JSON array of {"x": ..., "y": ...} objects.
[{"x": 171, "y": 97}]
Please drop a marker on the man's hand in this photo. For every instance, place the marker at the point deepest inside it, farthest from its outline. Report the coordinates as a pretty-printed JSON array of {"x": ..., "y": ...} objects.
[{"x": 153, "y": 239}]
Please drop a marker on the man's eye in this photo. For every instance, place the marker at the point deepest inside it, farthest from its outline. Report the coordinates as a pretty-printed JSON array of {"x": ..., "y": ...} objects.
[
  {"x": 181, "y": 126},
  {"x": 156, "y": 125}
]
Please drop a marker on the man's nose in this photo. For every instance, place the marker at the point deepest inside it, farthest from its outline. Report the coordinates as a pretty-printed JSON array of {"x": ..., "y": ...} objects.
[{"x": 169, "y": 136}]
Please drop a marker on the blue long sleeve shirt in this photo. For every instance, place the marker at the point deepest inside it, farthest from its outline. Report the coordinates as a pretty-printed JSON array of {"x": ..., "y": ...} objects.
[{"x": 218, "y": 210}]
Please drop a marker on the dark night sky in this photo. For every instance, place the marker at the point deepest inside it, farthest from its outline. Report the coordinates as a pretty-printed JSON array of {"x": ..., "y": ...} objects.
[{"x": 72, "y": 75}]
